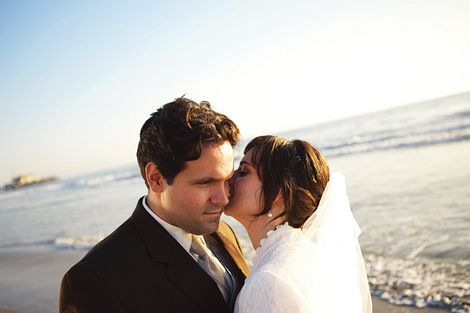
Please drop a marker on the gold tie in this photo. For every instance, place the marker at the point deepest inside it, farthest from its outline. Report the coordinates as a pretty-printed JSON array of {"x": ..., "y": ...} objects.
[{"x": 212, "y": 266}]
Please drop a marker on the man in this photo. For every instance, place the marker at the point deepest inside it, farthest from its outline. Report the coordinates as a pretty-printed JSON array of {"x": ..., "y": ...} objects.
[{"x": 151, "y": 263}]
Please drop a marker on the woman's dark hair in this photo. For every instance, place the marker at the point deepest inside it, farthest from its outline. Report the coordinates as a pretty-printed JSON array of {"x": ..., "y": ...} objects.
[
  {"x": 176, "y": 132},
  {"x": 296, "y": 168}
]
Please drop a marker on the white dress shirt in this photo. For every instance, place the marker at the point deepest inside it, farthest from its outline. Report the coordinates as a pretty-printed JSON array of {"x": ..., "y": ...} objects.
[
  {"x": 183, "y": 237},
  {"x": 185, "y": 240}
]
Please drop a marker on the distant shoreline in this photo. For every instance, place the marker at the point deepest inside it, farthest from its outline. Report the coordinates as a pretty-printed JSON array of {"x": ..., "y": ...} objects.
[{"x": 26, "y": 180}]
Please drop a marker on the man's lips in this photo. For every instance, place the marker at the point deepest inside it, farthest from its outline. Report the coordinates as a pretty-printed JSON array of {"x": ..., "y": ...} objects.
[{"x": 218, "y": 212}]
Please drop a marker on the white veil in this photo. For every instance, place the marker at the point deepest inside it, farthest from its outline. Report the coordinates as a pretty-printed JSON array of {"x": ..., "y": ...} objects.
[{"x": 334, "y": 231}]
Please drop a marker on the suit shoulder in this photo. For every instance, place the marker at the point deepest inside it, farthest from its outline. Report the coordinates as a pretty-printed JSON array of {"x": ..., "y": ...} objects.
[
  {"x": 226, "y": 230},
  {"x": 121, "y": 239}
]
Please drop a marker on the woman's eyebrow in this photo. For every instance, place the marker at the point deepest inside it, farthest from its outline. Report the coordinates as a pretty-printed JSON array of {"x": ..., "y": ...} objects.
[{"x": 245, "y": 162}]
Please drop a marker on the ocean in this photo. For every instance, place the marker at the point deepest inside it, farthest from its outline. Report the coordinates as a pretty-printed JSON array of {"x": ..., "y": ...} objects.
[{"x": 408, "y": 176}]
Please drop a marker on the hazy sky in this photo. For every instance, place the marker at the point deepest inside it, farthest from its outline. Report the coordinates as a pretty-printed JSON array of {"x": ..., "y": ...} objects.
[{"x": 79, "y": 78}]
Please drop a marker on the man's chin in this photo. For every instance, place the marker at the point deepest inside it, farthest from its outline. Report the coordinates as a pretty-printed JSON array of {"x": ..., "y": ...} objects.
[
  {"x": 214, "y": 225},
  {"x": 208, "y": 228}
]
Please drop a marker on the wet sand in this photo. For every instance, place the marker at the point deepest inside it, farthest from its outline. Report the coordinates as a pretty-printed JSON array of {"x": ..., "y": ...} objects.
[
  {"x": 30, "y": 280},
  {"x": 382, "y": 306}
]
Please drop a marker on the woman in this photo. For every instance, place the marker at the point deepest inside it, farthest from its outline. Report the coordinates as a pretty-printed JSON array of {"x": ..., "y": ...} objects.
[{"x": 298, "y": 218}]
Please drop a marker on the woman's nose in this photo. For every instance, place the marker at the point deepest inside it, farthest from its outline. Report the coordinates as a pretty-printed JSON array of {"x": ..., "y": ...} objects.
[{"x": 231, "y": 181}]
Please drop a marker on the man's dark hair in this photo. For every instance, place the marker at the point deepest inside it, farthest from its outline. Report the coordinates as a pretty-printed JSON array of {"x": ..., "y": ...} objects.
[{"x": 176, "y": 132}]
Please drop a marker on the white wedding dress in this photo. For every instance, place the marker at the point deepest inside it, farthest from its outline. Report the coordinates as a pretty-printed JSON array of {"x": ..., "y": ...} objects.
[{"x": 317, "y": 269}]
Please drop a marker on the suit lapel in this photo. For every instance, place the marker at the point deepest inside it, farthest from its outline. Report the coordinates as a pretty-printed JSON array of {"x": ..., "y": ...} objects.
[
  {"x": 234, "y": 253},
  {"x": 181, "y": 269},
  {"x": 184, "y": 272},
  {"x": 224, "y": 244},
  {"x": 220, "y": 251}
]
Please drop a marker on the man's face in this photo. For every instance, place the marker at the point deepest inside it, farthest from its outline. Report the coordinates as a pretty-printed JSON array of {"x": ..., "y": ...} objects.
[{"x": 196, "y": 199}]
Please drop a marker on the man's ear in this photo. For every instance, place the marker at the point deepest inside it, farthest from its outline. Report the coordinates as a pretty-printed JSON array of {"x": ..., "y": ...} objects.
[{"x": 154, "y": 178}]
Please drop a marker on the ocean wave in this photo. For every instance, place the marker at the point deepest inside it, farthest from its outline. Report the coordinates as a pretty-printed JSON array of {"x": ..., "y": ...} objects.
[
  {"x": 420, "y": 282},
  {"x": 22, "y": 245},
  {"x": 356, "y": 145},
  {"x": 100, "y": 180},
  {"x": 81, "y": 242},
  {"x": 84, "y": 242}
]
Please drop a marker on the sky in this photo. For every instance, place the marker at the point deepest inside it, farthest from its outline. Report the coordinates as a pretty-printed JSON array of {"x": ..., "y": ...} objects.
[{"x": 79, "y": 78}]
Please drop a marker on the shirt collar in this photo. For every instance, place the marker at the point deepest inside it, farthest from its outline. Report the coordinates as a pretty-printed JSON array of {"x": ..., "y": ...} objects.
[{"x": 183, "y": 237}]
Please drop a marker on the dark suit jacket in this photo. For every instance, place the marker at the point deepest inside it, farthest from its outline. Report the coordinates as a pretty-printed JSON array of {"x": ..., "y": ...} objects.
[{"x": 141, "y": 268}]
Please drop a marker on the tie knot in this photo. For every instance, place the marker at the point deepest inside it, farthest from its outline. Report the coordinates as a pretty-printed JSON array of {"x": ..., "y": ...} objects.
[{"x": 198, "y": 247}]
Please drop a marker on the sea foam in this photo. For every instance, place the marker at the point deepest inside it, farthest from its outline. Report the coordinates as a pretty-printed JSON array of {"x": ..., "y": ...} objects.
[
  {"x": 84, "y": 242},
  {"x": 420, "y": 282}
]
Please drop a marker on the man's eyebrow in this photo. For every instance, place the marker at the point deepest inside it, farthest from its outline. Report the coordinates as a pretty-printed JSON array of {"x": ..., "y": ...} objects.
[
  {"x": 208, "y": 178},
  {"x": 205, "y": 178}
]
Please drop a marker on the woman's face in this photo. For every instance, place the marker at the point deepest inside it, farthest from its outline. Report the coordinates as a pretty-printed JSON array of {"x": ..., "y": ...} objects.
[{"x": 245, "y": 191}]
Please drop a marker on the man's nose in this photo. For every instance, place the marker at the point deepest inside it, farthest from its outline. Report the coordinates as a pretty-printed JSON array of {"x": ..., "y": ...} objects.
[{"x": 220, "y": 195}]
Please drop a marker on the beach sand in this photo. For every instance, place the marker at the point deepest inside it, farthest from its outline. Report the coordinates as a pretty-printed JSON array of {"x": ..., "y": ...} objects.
[
  {"x": 381, "y": 306},
  {"x": 30, "y": 281}
]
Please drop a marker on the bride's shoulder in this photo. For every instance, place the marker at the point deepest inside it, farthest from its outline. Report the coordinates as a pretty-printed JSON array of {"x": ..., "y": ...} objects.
[
  {"x": 283, "y": 236},
  {"x": 279, "y": 246},
  {"x": 267, "y": 289}
]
